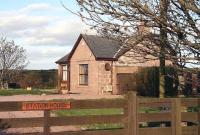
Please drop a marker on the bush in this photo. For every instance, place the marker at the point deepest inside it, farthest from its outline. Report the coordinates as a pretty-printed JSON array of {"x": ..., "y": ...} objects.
[
  {"x": 148, "y": 82},
  {"x": 38, "y": 79},
  {"x": 188, "y": 85}
]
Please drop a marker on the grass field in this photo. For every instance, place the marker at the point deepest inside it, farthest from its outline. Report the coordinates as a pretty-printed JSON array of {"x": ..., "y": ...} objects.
[
  {"x": 86, "y": 112},
  {"x": 11, "y": 92}
]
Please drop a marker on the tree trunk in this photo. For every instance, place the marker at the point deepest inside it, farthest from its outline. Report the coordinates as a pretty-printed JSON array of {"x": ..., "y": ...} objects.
[
  {"x": 1, "y": 82},
  {"x": 163, "y": 43}
]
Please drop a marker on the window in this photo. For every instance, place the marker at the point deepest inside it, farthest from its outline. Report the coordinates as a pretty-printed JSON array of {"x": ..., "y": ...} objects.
[
  {"x": 83, "y": 74},
  {"x": 64, "y": 78}
]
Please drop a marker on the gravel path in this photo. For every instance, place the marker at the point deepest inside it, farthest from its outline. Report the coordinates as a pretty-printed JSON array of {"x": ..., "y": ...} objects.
[
  {"x": 24, "y": 114},
  {"x": 56, "y": 96}
]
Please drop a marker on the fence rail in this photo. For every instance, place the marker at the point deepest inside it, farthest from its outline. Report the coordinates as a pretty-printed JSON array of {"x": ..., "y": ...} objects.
[
  {"x": 175, "y": 112},
  {"x": 47, "y": 121},
  {"x": 141, "y": 116}
]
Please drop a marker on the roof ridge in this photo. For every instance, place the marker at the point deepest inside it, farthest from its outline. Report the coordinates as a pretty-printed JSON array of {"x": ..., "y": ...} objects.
[{"x": 103, "y": 48}]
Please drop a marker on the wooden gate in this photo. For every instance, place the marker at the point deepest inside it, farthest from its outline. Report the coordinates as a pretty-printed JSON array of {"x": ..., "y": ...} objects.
[
  {"x": 48, "y": 121},
  {"x": 174, "y": 116}
]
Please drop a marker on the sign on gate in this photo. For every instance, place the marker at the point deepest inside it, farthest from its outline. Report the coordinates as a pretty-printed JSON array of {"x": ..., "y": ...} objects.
[{"x": 28, "y": 106}]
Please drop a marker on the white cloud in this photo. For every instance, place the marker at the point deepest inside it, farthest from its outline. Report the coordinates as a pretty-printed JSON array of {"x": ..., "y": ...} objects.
[
  {"x": 45, "y": 57},
  {"x": 62, "y": 32},
  {"x": 40, "y": 29},
  {"x": 31, "y": 8},
  {"x": 11, "y": 24},
  {"x": 37, "y": 7},
  {"x": 47, "y": 36}
]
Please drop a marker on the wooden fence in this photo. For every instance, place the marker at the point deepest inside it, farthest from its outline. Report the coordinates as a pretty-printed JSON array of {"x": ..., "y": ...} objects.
[
  {"x": 182, "y": 114},
  {"x": 138, "y": 114}
]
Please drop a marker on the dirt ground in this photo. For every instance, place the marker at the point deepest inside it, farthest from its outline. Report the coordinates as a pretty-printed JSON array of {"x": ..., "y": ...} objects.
[
  {"x": 24, "y": 114},
  {"x": 56, "y": 96}
]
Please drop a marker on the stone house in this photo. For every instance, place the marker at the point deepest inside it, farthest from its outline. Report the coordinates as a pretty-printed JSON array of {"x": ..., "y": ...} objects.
[{"x": 93, "y": 66}]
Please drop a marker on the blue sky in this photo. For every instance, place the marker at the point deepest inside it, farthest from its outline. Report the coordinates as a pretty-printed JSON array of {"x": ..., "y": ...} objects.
[{"x": 43, "y": 27}]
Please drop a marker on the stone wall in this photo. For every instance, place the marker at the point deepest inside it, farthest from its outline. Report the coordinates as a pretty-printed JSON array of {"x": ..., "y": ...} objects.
[
  {"x": 105, "y": 78},
  {"x": 135, "y": 59}
]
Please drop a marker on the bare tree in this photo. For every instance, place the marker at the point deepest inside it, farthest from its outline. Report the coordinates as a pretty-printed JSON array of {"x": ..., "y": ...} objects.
[
  {"x": 12, "y": 60},
  {"x": 167, "y": 29}
]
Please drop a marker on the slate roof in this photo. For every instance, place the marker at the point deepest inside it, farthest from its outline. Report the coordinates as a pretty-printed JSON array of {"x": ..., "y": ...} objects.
[
  {"x": 102, "y": 48},
  {"x": 63, "y": 60}
]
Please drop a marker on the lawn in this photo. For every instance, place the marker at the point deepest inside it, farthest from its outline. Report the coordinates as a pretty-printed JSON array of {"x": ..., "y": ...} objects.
[
  {"x": 86, "y": 112},
  {"x": 11, "y": 92}
]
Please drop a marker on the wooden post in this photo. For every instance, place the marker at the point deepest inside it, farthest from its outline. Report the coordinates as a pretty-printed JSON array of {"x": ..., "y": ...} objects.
[
  {"x": 132, "y": 113},
  {"x": 176, "y": 117},
  {"x": 198, "y": 117},
  {"x": 46, "y": 123},
  {"x": 59, "y": 77}
]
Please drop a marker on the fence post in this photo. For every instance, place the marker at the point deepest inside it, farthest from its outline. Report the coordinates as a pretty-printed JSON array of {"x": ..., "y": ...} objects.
[
  {"x": 132, "y": 113},
  {"x": 176, "y": 117},
  {"x": 198, "y": 117},
  {"x": 46, "y": 122}
]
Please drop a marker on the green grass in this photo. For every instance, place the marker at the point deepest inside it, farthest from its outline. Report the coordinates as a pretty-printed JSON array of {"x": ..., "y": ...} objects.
[
  {"x": 86, "y": 112},
  {"x": 150, "y": 110},
  {"x": 103, "y": 126},
  {"x": 11, "y": 92},
  {"x": 193, "y": 109}
]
